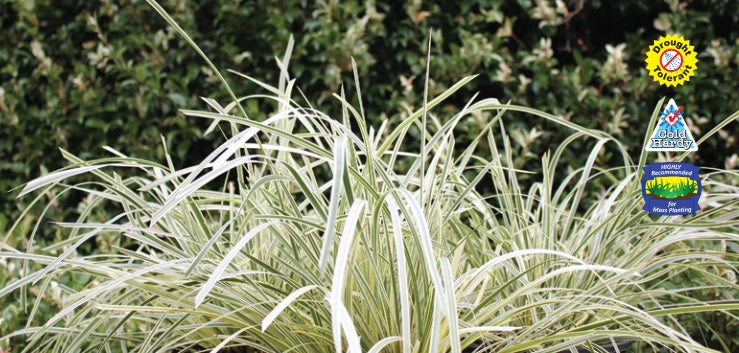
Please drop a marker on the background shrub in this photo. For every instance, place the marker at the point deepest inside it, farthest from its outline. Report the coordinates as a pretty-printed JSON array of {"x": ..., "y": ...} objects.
[{"x": 81, "y": 75}]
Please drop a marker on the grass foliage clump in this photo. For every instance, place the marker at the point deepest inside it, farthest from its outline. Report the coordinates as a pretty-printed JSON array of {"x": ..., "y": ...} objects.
[
  {"x": 299, "y": 234},
  {"x": 672, "y": 190}
]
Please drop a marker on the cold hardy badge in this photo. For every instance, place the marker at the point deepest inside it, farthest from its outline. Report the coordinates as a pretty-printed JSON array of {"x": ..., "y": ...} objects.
[{"x": 672, "y": 132}]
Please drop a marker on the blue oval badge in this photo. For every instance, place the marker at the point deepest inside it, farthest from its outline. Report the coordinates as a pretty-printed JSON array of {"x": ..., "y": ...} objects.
[{"x": 671, "y": 188}]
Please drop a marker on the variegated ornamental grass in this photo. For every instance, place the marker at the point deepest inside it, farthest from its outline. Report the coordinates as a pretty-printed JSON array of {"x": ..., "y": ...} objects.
[{"x": 317, "y": 242}]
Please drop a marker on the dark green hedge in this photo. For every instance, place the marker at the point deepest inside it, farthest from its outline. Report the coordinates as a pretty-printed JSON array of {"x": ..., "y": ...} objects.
[{"x": 80, "y": 75}]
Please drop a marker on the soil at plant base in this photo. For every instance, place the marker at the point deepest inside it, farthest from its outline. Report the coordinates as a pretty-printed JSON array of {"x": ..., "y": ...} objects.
[{"x": 674, "y": 198}]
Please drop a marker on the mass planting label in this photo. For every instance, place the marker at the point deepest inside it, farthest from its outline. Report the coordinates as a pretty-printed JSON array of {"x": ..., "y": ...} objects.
[{"x": 671, "y": 188}]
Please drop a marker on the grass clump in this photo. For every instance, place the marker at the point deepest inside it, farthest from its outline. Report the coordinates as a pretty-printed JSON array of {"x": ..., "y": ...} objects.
[
  {"x": 312, "y": 241},
  {"x": 671, "y": 189}
]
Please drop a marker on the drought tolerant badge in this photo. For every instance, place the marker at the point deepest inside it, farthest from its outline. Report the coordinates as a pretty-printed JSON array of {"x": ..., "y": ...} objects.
[
  {"x": 671, "y": 132},
  {"x": 671, "y": 60},
  {"x": 671, "y": 188}
]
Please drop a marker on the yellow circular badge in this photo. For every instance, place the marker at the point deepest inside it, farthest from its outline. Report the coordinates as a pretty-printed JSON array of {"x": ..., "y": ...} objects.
[{"x": 671, "y": 60}]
